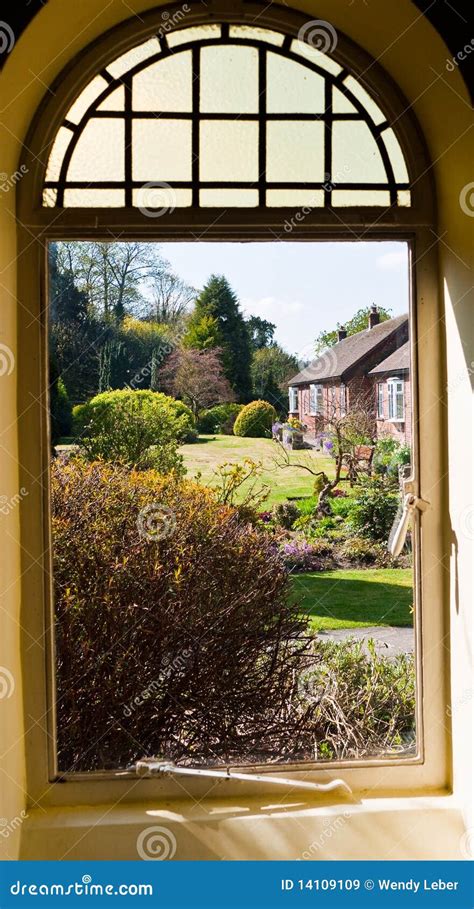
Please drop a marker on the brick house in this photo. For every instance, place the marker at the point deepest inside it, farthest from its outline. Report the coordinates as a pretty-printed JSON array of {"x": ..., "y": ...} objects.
[
  {"x": 346, "y": 374},
  {"x": 392, "y": 386}
]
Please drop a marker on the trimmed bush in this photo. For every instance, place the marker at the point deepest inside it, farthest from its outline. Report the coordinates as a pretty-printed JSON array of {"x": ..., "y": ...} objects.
[
  {"x": 255, "y": 420},
  {"x": 220, "y": 419},
  {"x": 175, "y": 633},
  {"x": 61, "y": 411},
  {"x": 374, "y": 508},
  {"x": 138, "y": 428}
]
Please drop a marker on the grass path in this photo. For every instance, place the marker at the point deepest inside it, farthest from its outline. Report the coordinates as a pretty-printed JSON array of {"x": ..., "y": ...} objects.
[
  {"x": 355, "y": 598},
  {"x": 205, "y": 455}
]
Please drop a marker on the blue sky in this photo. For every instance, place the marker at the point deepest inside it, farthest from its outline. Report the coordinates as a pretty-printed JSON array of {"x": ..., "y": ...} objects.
[{"x": 302, "y": 287}]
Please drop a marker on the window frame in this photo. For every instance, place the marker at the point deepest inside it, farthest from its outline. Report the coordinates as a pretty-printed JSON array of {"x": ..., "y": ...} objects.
[
  {"x": 396, "y": 396},
  {"x": 431, "y": 765},
  {"x": 293, "y": 398},
  {"x": 380, "y": 400},
  {"x": 318, "y": 404}
]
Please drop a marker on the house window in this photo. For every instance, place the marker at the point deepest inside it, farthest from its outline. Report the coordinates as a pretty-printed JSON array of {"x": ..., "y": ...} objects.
[
  {"x": 293, "y": 395},
  {"x": 315, "y": 399},
  {"x": 380, "y": 413},
  {"x": 396, "y": 403}
]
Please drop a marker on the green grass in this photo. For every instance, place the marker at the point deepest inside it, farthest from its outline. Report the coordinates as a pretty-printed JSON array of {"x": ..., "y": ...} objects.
[
  {"x": 355, "y": 599},
  {"x": 205, "y": 455}
]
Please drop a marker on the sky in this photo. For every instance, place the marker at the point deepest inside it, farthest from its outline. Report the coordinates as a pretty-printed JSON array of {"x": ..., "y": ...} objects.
[{"x": 302, "y": 287}]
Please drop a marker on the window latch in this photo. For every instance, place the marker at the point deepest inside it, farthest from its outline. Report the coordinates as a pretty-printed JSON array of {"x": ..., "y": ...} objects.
[
  {"x": 396, "y": 540},
  {"x": 152, "y": 767}
]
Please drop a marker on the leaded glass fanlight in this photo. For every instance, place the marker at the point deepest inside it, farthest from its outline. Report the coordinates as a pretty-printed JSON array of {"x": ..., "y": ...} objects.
[{"x": 225, "y": 116}]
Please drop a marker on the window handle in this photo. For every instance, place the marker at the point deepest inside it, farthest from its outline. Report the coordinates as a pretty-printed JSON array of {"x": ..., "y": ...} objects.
[
  {"x": 152, "y": 768},
  {"x": 398, "y": 534}
]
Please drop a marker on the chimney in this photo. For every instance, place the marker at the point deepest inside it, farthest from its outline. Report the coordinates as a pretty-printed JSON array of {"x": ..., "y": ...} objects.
[
  {"x": 374, "y": 316},
  {"x": 341, "y": 333}
]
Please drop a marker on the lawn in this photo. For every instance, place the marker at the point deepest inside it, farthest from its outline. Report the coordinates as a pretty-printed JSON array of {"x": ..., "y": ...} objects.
[
  {"x": 205, "y": 455},
  {"x": 355, "y": 599}
]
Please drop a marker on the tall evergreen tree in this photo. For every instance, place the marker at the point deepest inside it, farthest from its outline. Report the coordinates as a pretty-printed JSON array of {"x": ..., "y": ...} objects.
[{"x": 218, "y": 302}]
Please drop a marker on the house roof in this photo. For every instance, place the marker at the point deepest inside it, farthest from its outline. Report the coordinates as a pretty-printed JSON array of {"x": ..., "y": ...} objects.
[
  {"x": 335, "y": 361},
  {"x": 397, "y": 361}
]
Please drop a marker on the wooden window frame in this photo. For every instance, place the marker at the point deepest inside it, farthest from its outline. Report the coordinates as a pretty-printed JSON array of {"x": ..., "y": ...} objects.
[{"x": 430, "y": 768}]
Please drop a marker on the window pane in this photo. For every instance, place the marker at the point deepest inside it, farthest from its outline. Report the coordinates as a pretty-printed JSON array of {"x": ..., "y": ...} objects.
[
  {"x": 404, "y": 197},
  {"x": 161, "y": 150},
  {"x": 94, "y": 198},
  {"x": 256, "y": 34},
  {"x": 365, "y": 99},
  {"x": 315, "y": 56},
  {"x": 198, "y": 33},
  {"x": 86, "y": 98},
  {"x": 355, "y": 154},
  {"x": 99, "y": 154},
  {"x": 228, "y": 151},
  {"x": 291, "y": 88},
  {"x": 229, "y": 79},
  {"x": 344, "y": 197},
  {"x": 58, "y": 151},
  {"x": 234, "y": 198},
  {"x": 132, "y": 57},
  {"x": 114, "y": 101},
  {"x": 311, "y": 198},
  {"x": 396, "y": 157},
  {"x": 295, "y": 152},
  {"x": 165, "y": 85},
  {"x": 50, "y": 197},
  {"x": 341, "y": 104},
  {"x": 161, "y": 198}
]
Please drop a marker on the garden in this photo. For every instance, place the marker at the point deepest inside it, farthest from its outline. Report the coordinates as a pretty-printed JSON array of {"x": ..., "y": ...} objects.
[{"x": 199, "y": 555}]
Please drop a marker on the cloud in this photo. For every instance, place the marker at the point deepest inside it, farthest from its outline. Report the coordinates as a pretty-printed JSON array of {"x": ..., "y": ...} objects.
[
  {"x": 392, "y": 261},
  {"x": 271, "y": 308}
]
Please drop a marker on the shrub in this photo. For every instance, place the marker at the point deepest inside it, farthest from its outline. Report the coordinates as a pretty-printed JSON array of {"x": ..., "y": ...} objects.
[
  {"x": 390, "y": 455},
  {"x": 359, "y": 550},
  {"x": 61, "y": 411},
  {"x": 299, "y": 555},
  {"x": 175, "y": 634},
  {"x": 255, "y": 420},
  {"x": 374, "y": 509},
  {"x": 138, "y": 428},
  {"x": 220, "y": 419},
  {"x": 286, "y": 513}
]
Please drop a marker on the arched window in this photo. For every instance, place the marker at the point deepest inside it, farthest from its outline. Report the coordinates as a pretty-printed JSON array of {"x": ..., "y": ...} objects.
[{"x": 225, "y": 116}]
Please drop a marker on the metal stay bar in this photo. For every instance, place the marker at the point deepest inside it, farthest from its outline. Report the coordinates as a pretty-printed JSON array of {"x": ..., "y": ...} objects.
[{"x": 152, "y": 768}]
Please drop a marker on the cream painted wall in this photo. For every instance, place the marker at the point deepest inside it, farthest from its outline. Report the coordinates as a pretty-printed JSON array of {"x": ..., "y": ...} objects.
[{"x": 414, "y": 55}]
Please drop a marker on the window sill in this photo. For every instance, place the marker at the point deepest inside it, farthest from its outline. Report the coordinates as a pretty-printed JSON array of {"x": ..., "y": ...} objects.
[{"x": 417, "y": 828}]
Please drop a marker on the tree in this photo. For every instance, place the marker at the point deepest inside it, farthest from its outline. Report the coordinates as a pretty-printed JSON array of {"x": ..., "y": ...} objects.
[
  {"x": 260, "y": 332},
  {"x": 67, "y": 302},
  {"x": 197, "y": 377},
  {"x": 202, "y": 333},
  {"x": 218, "y": 301},
  {"x": 170, "y": 300},
  {"x": 271, "y": 368},
  {"x": 358, "y": 322}
]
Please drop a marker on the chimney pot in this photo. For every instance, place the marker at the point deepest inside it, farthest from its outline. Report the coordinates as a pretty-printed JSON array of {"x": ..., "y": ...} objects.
[
  {"x": 341, "y": 333},
  {"x": 374, "y": 316}
]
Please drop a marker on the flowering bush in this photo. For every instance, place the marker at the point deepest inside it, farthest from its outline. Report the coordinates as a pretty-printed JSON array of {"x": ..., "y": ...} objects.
[
  {"x": 175, "y": 634},
  {"x": 299, "y": 555}
]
